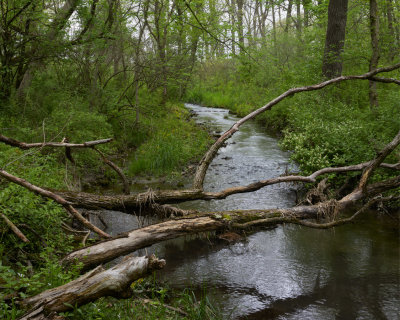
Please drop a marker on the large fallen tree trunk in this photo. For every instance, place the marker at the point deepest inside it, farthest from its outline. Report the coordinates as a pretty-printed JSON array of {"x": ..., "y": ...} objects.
[
  {"x": 203, "y": 222},
  {"x": 133, "y": 201},
  {"x": 97, "y": 283},
  {"x": 140, "y": 238}
]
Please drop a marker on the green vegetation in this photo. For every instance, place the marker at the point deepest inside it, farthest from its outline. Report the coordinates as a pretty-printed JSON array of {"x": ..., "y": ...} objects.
[
  {"x": 171, "y": 144},
  {"x": 151, "y": 300},
  {"x": 93, "y": 69}
]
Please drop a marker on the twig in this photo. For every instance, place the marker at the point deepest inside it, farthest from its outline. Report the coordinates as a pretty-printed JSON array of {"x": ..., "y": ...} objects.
[
  {"x": 14, "y": 228},
  {"x": 116, "y": 169}
]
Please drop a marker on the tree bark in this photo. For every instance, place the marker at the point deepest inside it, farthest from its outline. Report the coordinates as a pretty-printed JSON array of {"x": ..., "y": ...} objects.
[
  {"x": 373, "y": 64},
  {"x": 288, "y": 15},
  {"x": 91, "y": 286},
  {"x": 205, "y": 222},
  {"x": 240, "y": 4},
  {"x": 335, "y": 37}
]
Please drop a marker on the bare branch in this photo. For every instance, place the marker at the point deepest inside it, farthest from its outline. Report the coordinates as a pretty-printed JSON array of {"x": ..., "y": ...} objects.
[
  {"x": 14, "y": 228},
  {"x": 378, "y": 160},
  {"x": 56, "y": 198},
  {"x": 116, "y": 169},
  {"x": 123, "y": 202},
  {"x": 24, "y": 145}
]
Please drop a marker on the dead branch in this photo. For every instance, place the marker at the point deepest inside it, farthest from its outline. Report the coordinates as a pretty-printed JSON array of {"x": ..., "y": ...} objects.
[
  {"x": 28, "y": 227},
  {"x": 378, "y": 160},
  {"x": 123, "y": 202},
  {"x": 211, "y": 153},
  {"x": 314, "y": 225},
  {"x": 56, "y": 198},
  {"x": 91, "y": 286},
  {"x": 116, "y": 169},
  {"x": 14, "y": 228},
  {"x": 212, "y": 221},
  {"x": 24, "y": 145}
]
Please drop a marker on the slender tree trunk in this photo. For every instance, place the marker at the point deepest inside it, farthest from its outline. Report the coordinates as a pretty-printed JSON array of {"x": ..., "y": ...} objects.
[
  {"x": 306, "y": 13},
  {"x": 374, "y": 29},
  {"x": 393, "y": 46},
  {"x": 273, "y": 23},
  {"x": 299, "y": 19},
  {"x": 288, "y": 15},
  {"x": 335, "y": 37},
  {"x": 240, "y": 24}
]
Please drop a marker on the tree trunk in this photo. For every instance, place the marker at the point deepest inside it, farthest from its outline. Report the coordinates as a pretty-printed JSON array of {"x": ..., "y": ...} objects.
[
  {"x": 89, "y": 287},
  {"x": 335, "y": 38},
  {"x": 393, "y": 46},
  {"x": 240, "y": 24},
  {"x": 288, "y": 15},
  {"x": 373, "y": 64},
  {"x": 299, "y": 19}
]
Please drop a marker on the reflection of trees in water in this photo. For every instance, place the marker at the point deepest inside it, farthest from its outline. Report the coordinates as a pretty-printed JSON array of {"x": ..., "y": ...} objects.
[
  {"x": 346, "y": 297},
  {"x": 347, "y": 269},
  {"x": 361, "y": 262}
]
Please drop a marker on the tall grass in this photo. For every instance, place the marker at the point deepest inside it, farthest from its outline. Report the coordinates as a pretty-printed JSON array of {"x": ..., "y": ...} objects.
[{"x": 175, "y": 140}]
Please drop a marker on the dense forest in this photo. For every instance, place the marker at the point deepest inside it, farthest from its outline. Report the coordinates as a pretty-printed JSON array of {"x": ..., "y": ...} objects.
[{"x": 92, "y": 97}]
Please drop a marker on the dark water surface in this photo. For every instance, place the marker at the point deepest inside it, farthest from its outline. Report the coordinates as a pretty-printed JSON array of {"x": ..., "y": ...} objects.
[{"x": 290, "y": 272}]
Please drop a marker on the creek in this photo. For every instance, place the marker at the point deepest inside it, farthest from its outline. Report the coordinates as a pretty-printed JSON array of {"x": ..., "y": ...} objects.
[{"x": 289, "y": 272}]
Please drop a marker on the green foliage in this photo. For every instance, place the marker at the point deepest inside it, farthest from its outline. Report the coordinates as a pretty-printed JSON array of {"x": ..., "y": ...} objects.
[
  {"x": 175, "y": 140},
  {"x": 331, "y": 127},
  {"x": 154, "y": 307}
]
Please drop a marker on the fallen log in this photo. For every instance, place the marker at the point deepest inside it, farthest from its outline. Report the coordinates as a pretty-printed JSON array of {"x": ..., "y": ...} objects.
[
  {"x": 14, "y": 228},
  {"x": 134, "y": 201},
  {"x": 202, "y": 222},
  {"x": 23, "y": 145},
  {"x": 97, "y": 283}
]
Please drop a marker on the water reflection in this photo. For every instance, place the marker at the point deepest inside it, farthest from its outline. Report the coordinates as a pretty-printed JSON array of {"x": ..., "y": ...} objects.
[{"x": 290, "y": 272}]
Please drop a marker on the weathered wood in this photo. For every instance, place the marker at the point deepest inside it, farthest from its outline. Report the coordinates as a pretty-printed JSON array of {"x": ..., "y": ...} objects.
[
  {"x": 24, "y": 145},
  {"x": 14, "y": 228},
  {"x": 123, "y": 202},
  {"x": 91, "y": 286},
  {"x": 141, "y": 238},
  {"x": 203, "y": 222}
]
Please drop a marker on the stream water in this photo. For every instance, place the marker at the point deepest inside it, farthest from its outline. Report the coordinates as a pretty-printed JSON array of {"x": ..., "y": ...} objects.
[{"x": 290, "y": 272}]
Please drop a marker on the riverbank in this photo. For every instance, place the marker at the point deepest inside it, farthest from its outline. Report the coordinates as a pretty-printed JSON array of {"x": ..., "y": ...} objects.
[
  {"x": 329, "y": 127},
  {"x": 159, "y": 144}
]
